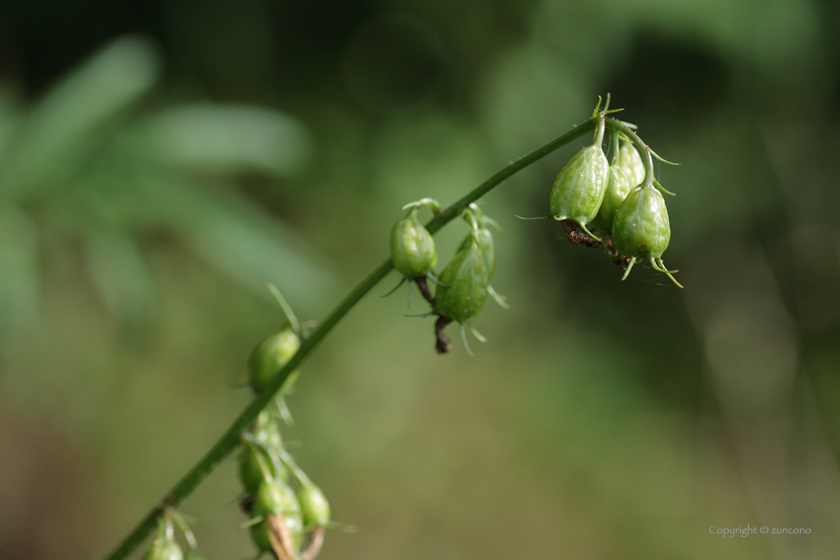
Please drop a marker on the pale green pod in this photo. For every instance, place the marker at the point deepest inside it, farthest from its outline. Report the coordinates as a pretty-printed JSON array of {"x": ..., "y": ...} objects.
[
  {"x": 464, "y": 284},
  {"x": 618, "y": 187},
  {"x": 412, "y": 247},
  {"x": 642, "y": 230},
  {"x": 314, "y": 505},
  {"x": 270, "y": 356},
  {"x": 272, "y": 498},
  {"x": 252, "y": 461},
  {"x": 164, "y": 549},
  {"x": 630, "y": 161},
  {"x": 580, "y": 186},
  {"x": 488, "y": 248}
]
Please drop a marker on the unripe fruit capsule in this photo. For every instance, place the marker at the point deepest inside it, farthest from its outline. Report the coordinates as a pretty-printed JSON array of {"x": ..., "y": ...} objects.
[
  {"x": 630, "y": 161},
  {"x": 252, "y": 460},
  {"x": 275, "y": 497},
  {"x": 412, "y": 247},
  {"x": 165, "y": 549},
  {"x": 464, "y": 283},
  {"x": 580, "y": 186},
  {"x": 484, "y": 237},
  {"x": 618, "y": 186},
  {"x": 314, "y": 505},
  {"x": 270, "y": 356},
  {"x": 641, "y": 229}
]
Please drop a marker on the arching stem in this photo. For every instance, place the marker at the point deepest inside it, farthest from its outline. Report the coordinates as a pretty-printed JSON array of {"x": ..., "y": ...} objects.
[{"x": 232, "y": 436}]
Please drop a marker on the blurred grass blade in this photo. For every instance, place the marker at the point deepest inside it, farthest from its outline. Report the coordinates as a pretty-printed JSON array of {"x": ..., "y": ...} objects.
[
  {"x": 61, "y": 125},
  {"x": 235, "y": 237},
  {"x": 231, "y": 139}
]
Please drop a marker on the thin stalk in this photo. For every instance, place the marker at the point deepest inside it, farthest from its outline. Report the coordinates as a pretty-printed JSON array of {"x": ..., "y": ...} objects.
[
  {"x": 616, "y": 124},
  {"x": 232, "y": 437}
]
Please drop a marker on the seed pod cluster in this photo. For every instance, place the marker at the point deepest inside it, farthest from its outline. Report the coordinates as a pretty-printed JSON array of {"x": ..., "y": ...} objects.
[
  {"x": 288, "y": 512},
  {"x": 278, "y": 496},
  {"x": 464, "y": 284},
  {"x": 618, "y": 200}
]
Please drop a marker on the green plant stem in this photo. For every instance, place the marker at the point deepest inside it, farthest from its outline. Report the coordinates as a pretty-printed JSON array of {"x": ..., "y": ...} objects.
[
  {"x": 232, "y": 437},
  {"x": 640, "y": 144}
]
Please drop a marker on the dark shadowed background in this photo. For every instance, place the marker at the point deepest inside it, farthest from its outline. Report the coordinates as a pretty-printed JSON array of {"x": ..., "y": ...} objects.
[{"x": 161, "y": 161}]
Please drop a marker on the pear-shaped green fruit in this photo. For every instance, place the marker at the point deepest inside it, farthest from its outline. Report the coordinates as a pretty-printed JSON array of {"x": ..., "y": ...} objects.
[
  {"x": 631, "y": 163},
  {"x": 488, "y": 248},
  {"x": 315, "y": 507},
  {"x": 412, "y": 247},
  {"x": 580, "y": 186},
  {"x": 270, "y": 356},
  {"x": 641, "y": 229},
  {"x": 275, "y": 497},
  {"x": 252, "y": 461},
  {"x": 464, "y": 284},
  {"x": 618, "y": 186},
  {"x": 164, "y": 549}
]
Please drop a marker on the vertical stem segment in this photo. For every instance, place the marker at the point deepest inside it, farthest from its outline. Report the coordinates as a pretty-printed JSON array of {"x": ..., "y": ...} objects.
[
  {"x": 616, "y": 124},
  {"x": 231, "y": 438}
]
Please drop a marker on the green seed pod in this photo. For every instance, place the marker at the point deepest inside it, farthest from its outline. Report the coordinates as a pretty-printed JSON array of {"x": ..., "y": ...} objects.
[
  {"x": 412, "y": 247},
  {"x": 270, "y": 356},
  {"x": 164, "y": 549},
  {"x": 251, "y": 472},
  {"x": 464, "y": 283},
  {"x": 275, "y": 497},
  {"x": 641, "y": 229},
  {"x": 293, "y": 521},
  {"x": 631, "y": 163},
  {"x": 315, "y": 507},
  {"x": 487, "y": 246},
  {"x": 266, "y": 431},
  {"x": 580, "y": 186},
  {"x": 618, "y": 186}
]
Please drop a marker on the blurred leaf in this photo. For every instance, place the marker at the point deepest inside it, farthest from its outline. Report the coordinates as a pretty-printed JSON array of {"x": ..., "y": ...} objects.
[
  {"x": 19, "y": 271},
  {"x": 236, "y": 238},
  {"x": 121, "y": 274},
  {"x": 58, "y": 131},
  {"x": 230, "y": 139}
]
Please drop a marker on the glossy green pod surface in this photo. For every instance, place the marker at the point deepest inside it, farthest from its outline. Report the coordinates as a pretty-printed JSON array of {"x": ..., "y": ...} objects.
[
  {"x": 412, "y": 247},
  {"x": 164, "y": 550},
  {"x": 641, "y": 228},
  {"x": 488, "y": 248},
  {"x": 272, "y": 498},
  {"x": 270, "y": 356},
  {"x": 250, "y": 471},
  {"x": 618, "y": 187},
  {"x": 314, "y": 505},
  {"x": 580, "y": 186},
  {"x": 631, "y": 163},
  {"x": 464, "y": 283}
]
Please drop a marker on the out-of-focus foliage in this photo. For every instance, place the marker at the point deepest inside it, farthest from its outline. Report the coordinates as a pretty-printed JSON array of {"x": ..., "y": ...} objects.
[
  {"x": 603, "y": 420},
  {"x": 88, "y": 169}
]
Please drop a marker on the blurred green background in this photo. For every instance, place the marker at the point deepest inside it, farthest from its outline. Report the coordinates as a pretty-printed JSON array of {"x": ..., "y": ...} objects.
[{"x": 161, "y": 161}]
